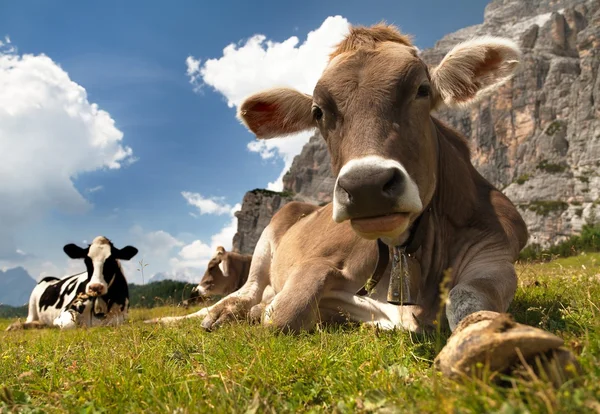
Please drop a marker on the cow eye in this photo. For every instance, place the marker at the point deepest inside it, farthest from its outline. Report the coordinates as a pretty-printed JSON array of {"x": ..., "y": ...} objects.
[
  {"x": 317, "y": 113},
  {"x": 423, "y": 91}
]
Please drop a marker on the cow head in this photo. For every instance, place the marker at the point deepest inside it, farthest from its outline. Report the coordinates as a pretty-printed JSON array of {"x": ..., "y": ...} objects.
[
  {"x": 216, "y": 279},
  {"x": 372, "y": 106},
  {"x": 101, "y": 259}
]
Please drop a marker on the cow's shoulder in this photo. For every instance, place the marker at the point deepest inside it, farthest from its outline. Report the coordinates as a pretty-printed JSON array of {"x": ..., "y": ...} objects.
[
  {"x": 55, "y": 294},
  {"x": 292, "y": 212}
]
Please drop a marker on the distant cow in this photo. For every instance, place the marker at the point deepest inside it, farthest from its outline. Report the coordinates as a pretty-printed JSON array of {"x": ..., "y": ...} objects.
[
  {"x": 403, "y": 178},
  {"x": 259, "y": 270},
  {"x": 98, "y": 296},
  {"x": 226, "y": 272}
]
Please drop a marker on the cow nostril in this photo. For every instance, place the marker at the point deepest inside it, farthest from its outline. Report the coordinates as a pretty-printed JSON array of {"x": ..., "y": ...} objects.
[
  {"x": 344, "y": 195},
  {"x": 394, "y": 185}
]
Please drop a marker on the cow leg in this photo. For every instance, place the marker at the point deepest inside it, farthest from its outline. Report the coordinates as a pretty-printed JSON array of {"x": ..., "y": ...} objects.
[
  {"x": 342, "y": 304},
  {"x": 482, "y": 332},
  {"x": 237, "y": 304},
  {"x": 67, "y": 319},
  {"x": 296, "y": 307},
  {"x": 32, "y": 314},
  {"x": 482, "y": 286},
  {"x": 257, "y": 311}
]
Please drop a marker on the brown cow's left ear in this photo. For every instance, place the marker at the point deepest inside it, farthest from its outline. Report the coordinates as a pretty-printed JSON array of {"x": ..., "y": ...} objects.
[
  {"x": 473, "y": 69},
  {"x": 277, "y": 112}
]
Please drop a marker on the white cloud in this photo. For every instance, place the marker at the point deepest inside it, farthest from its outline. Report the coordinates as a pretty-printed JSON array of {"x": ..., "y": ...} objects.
[
  {"x": 212, "y": 205},
  {"x": 286, "y": 148},
  {"x": 154, "y": 244},
  {"x": 94, "y": 189},
  {"x": 43, "y": 116},
  {"x": 259, "y": 64}
]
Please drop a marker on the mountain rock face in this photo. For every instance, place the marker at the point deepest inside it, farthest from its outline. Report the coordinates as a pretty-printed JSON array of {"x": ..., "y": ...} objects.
[
  {"x": 17, "y": 285},
  {"x": 257, "y": 210},
  {"x": 310, "y": 178},
  {"x": 537, "y": 138}
]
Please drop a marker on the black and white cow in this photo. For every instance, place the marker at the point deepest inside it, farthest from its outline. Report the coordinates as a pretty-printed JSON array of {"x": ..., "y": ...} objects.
[{"x": 98, "y": 296}]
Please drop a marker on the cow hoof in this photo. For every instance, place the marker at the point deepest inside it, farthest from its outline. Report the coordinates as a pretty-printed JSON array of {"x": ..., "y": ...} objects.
[
  {"x": 492, "y": 342},
  {"x": 556, "y": 366},
  {"x": 256, "y": 313},
  {"x": 225, "y": 311}
]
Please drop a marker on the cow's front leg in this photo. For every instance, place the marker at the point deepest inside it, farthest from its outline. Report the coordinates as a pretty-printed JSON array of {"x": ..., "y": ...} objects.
[
  {"x": 237, "y": 304},
  {"x": 484, "y": 285},
  {"x": 489, "y": 341},
  {"x": 296, "y": 307},
  {"x": 483, "y": 334},
  {"x": 68, "y": 319}
]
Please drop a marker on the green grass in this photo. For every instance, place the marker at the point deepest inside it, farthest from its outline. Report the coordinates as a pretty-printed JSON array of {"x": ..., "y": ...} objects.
[
  {"x": 551, "y": 168},
  {"x": 522, "y": 179},
  {"x": 241, "y": 368}
]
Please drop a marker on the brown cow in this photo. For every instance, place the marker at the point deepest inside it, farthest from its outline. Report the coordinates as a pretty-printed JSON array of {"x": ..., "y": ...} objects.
[
  {"x": 226, "y": 272},
  {"x": 395, "y": 163},
  {"x": 400, "y": 173},
  {"x": 372, "y": 105}
]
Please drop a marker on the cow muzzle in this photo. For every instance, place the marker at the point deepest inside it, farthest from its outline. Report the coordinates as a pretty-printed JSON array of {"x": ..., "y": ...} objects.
[
  {"x": 96, "y": 289},
  {"x": 199, "y": 293},
  {"x": 377, "y": 195}
]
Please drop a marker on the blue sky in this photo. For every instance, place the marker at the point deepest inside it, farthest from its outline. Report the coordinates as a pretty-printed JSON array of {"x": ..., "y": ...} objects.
[{"x": 158, "y": 71}]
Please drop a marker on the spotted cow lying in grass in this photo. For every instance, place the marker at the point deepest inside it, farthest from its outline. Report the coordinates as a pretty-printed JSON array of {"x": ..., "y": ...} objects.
[{"x": 98, "y": 296}]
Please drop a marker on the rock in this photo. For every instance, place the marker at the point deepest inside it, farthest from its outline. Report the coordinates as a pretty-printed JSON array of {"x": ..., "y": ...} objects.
[
  {"x": 257, "y": 209},
  {"x": 538, "y": 137},
  {"x": 310, "y": 176}
]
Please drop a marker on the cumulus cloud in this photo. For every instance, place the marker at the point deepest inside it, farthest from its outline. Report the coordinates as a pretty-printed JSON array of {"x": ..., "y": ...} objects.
[
  {"x": 211, "y": 205},
  {"x": 154, "y": 244},
  {"x": 43, "y": 116},
  {"x": 260, "y": 63}
]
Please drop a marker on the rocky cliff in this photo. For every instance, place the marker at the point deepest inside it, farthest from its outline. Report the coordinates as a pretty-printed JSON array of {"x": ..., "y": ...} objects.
[
  {"x": 537, "y": 138},
  {"x": 257, "y": 209}
]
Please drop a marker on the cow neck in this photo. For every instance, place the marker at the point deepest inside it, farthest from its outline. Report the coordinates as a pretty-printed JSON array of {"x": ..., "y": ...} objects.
[
  {"x": 410, "y": 247},
  {"x": 415, "y": 237},
  {"x": 241, "y": 280}
]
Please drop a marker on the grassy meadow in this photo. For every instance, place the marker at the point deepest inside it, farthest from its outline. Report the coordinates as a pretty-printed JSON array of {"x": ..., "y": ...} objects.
[{"x": 241, "y": 368}]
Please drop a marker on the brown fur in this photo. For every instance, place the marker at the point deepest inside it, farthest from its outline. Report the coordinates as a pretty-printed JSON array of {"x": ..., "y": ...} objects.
[
  {"x": 368, "y": 37},
  {"x": 215, "y": 283}
]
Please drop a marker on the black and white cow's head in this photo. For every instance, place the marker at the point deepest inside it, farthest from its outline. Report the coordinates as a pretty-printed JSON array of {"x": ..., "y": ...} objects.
[{"x": 102, "y": 262}]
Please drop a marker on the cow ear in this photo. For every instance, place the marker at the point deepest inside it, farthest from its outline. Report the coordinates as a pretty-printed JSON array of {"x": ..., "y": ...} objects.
[
  {"x": 126, "y": 253},
  {"x": 473, "y": 69},
  {"x": 225, "y": 267},
  {"x": 74, "y": 251},
  {"x": 277, "y": 112}
]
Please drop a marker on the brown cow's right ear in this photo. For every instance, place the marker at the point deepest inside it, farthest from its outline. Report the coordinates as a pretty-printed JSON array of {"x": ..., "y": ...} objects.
[{"x": 277, "y": 112}]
